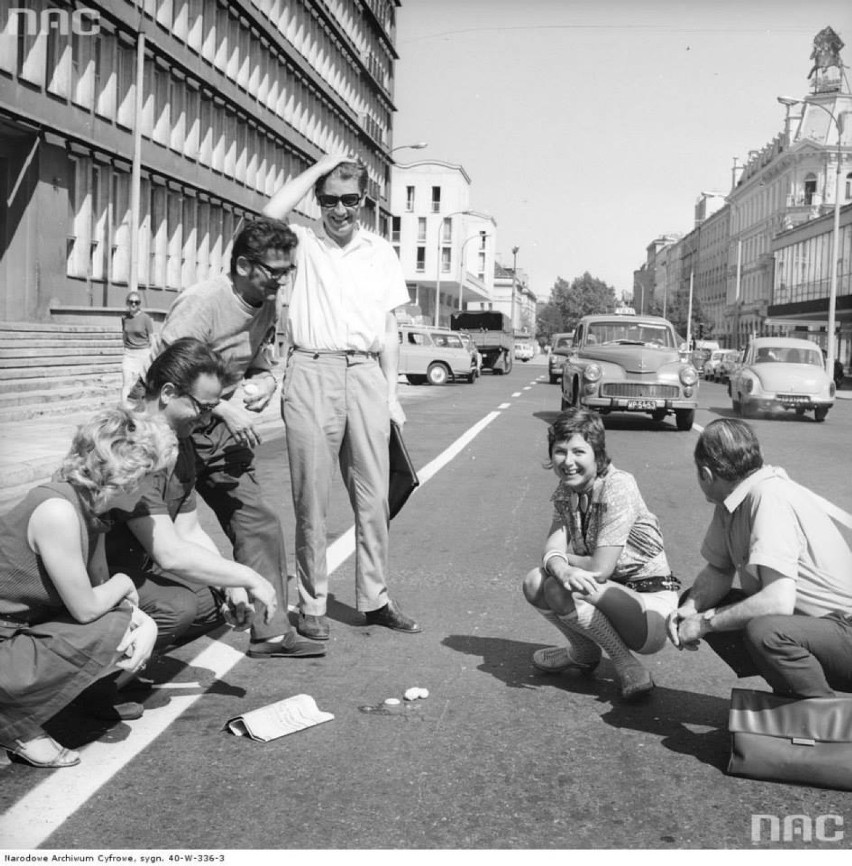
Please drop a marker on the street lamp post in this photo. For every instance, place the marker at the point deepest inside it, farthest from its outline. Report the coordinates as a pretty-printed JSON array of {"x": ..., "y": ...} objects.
[
  {"x": 439, "y": 262},
  {"x": 416, "y": 146},
  {"x": 479, "y": 236},
  {"x": 838, "y": 122},
  {"x": 514, "y": 287}
]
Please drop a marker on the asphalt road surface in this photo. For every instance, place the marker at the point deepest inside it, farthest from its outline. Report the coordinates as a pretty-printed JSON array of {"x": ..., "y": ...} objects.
[{"x": 498, "y": 755}]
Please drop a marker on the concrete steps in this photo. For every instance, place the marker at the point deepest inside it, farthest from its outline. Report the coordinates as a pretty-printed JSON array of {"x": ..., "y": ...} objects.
[{"x": 51, "y": 370}]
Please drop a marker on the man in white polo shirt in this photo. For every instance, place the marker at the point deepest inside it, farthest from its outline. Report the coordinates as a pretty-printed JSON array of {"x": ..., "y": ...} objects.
[{"x": 339, "y": 395}]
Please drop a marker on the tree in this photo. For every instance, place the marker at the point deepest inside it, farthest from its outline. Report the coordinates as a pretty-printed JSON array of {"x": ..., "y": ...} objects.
[{"x": 569, "y": 302}]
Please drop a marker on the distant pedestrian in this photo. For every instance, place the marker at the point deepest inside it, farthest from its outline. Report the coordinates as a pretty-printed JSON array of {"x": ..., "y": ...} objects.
[
  {"x": 604, "y": 581},
  {"x": 137, "y": 329},
  {"x": 340, "y": 396},
  {"x": 791, "y": 622},
  {"x": 63, "y": 624}
]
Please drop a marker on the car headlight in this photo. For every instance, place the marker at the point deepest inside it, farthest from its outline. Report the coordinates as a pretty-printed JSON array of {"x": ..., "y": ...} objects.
[
  {"x": 688, "y": 376},
  {"x": 749, "y": 384},
  {"x": 592, "y": 373}
]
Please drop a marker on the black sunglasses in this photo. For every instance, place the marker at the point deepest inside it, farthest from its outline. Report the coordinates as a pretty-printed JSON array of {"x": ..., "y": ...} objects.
[
  {"x": 134, "y": 303},
  {"x": 276, "y": 274},
  {"x": 200, "y": 407},
  {"x": 351, "y": 199}
]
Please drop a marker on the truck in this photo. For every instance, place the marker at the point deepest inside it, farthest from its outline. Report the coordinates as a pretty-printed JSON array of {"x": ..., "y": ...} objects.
[{"x": 492, "y": 335}]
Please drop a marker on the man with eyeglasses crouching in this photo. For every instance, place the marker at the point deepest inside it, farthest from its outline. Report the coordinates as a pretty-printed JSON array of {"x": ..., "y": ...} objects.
[
  {"x": 235, "y": 313},
  {"x": 341, "y": 386}
]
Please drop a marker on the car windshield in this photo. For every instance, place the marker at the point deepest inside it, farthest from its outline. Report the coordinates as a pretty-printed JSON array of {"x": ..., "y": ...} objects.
[
  {"x": 563, "y": 343},
  {"x": 630, "y": 333},
  {"x": 788, "y": 355}
]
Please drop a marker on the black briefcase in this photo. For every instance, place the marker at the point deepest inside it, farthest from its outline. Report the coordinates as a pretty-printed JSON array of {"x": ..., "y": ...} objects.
[{"x": 403, "y": 477}]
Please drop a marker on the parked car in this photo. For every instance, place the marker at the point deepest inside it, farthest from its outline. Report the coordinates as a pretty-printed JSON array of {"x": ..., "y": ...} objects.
[
  {"x": 524, "y": 351},
  {"x": 560, "y": 348},
  {"x": 630, "y": 364},
  {"x": 434, "y": 355},
  {"x": 467, "y": 340},
  {"x": 713, "y": 365},
  {"x": 782, "y": 373},
  {"x": 732, "y": 361}
]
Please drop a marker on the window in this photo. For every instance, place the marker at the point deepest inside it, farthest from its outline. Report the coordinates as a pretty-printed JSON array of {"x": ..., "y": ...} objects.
[
  {"x": 58, "y": 61},
  {"x": 83, "y": 70},
  {"x": 120, "y": 265},
  {"x": 79, "y": 238},
  {"x": 396, "y": 223},
  {"x": 436, "y": 199},
  {"x": 126, "y": 85},
  {"x": 106, "y": 75},
  {"x": 177, "y": 134},
  {"x": 421, "y": 230},
  {"x": 421, "y": 260},
  {"x": 409, "y": 198},
  {"x": 446, "y": 231},
  {"x": 810, "y": 188},
  {"x": 446, "y": 254},
  {"x": 849, "y": 186}
]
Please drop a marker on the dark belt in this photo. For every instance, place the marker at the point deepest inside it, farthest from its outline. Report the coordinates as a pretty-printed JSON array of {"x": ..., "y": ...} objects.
[
  {"x": 338, "y": 353},
  {"x": 653, "y": 584}
]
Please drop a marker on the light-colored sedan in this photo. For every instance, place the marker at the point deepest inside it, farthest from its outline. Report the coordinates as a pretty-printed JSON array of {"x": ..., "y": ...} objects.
[
  {"x": 782, "y": 374},
  {"x": 630, "y": 364}
]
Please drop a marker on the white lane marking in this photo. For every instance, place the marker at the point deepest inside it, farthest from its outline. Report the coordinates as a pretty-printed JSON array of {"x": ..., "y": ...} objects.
[
  {"x": 504, "y": 405},
  {"x": 527, "y": 387},
  {"x": 516, "y": 394},
  {"x": 832, "y": 510},
  {"x": 48, "y": 806}
]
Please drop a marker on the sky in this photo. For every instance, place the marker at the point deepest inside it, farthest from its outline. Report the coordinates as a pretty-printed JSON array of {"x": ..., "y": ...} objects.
[{"x": 590, "y": 127}]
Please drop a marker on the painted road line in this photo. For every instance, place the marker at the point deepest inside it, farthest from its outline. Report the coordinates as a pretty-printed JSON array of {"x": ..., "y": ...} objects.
[
  {"x": 516, "y": 394},
  {"x": 504, "y": 405},
  {"x": 48, "y": 806},
  {"x": 527, "y": 387}
]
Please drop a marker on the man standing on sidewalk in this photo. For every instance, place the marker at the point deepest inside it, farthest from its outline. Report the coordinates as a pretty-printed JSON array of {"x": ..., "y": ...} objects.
[
  {"x": 339, "y": 396},
  {"x": 234, "y": 313}
]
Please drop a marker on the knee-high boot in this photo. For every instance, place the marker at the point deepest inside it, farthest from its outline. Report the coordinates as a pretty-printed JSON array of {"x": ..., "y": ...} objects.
[
  {"x": 580, "y": 653},
  {"x": 634, "y": 680}
]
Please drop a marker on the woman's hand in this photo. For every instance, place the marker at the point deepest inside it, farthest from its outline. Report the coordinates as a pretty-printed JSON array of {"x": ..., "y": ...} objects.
[
  {"x": 137, "y": 643},
  {"x": 581, "y": 581}
]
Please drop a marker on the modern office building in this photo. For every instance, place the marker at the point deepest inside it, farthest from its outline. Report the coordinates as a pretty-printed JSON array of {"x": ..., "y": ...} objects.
[
  {"x": 445, "y": 246},
  {"x": 137, "y": 135}
]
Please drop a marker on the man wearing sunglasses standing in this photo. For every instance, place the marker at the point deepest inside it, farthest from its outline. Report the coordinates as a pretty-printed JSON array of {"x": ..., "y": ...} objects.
[
  {"x": 235, "y": 313},
  {"x": 340, "y": 386}
]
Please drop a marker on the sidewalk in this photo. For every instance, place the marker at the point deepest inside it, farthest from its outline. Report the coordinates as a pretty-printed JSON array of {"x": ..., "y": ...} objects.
[{"x": 30, "y": 451}]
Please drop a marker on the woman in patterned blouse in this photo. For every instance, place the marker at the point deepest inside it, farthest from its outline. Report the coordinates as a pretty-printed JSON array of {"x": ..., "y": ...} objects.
[{"x": 604, "y": 581}]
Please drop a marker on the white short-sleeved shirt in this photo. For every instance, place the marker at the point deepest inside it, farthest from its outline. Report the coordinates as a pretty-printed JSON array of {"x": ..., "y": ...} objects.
[
  {"x": 768, "y": 520},
  {"x": 342, "y": 295}
]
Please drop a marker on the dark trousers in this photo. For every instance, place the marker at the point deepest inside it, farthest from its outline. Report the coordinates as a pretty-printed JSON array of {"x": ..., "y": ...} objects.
[
  {"x": 228, "y": 484},
  {"x": 181, "y": 610},
  {"x": 799, "y": 656}
]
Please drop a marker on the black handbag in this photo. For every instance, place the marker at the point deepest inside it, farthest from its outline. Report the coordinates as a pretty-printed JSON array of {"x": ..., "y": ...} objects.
[
  {"x": 802, "y": 740},
  {"x": 403, "y": 476}
]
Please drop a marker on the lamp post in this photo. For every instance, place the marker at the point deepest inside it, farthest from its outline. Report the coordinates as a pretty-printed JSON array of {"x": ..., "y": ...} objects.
[
  {"x": 478, "y": 236},
  {"x": 438, "y": 263},
  {"x": 838, "y": 121},
  {"x": 514, "y": 287},
  {"x": 416, "y": 146}
]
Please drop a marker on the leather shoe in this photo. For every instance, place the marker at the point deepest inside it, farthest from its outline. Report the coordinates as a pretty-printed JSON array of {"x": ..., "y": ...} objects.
[
  {"x": 289, "y": 648},
  {"x": 313, "y": 627},
  {"x": 390, "y": 616},
  {"x": 121, "y": 711}
]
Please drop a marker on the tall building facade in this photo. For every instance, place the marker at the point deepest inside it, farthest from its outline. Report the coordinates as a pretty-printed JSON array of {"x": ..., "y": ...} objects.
[
  {"x": 445, "y": 246},
  {"x": 800, "y": 177},
  {"x": 137, "y": 135}
]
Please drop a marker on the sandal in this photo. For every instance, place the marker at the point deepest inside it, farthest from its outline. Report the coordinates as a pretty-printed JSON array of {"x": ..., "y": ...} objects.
[{"x": 29, "y": 752}]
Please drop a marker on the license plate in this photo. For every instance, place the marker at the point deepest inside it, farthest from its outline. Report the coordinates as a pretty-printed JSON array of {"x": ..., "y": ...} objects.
[{"x": 641, "y": 405}]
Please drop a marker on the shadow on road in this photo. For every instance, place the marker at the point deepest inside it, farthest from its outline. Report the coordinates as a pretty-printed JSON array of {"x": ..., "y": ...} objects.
[{"x": 686, "y": 722}]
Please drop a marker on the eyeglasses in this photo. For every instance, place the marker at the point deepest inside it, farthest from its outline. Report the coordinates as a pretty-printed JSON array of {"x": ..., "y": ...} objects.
[
  {"x": 134, "y": 303},
  {"x": 351, "y": 199},
  {"x": 200, "y": 407},
  {"x": 276, "y": 274}
]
